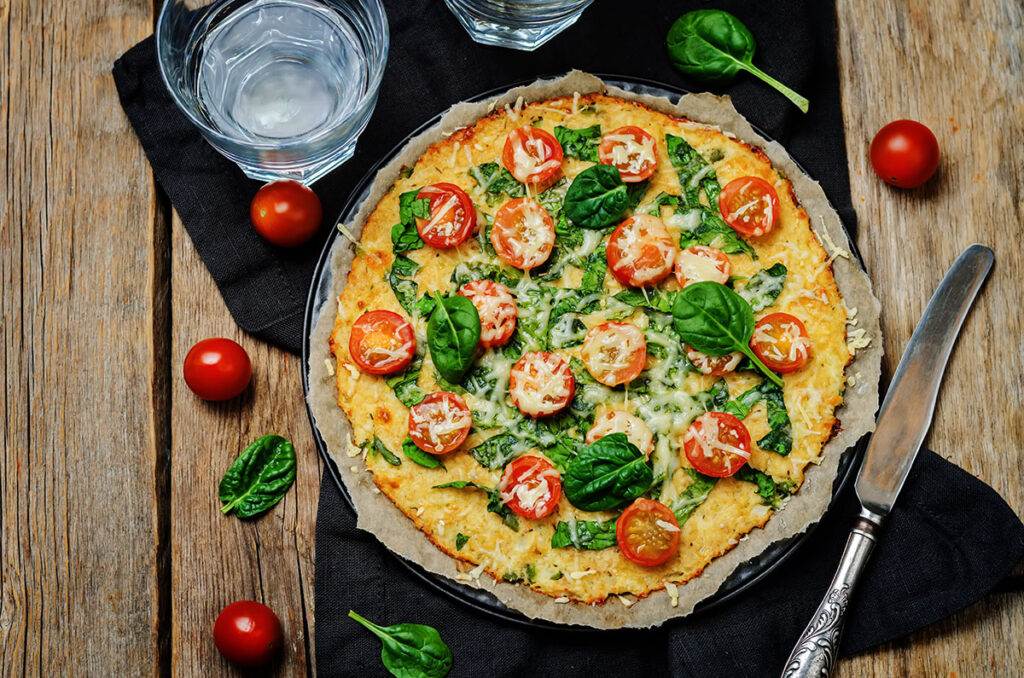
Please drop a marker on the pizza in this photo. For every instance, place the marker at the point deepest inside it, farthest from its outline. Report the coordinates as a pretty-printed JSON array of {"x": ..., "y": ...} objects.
[{"x": 587, "y": 346}]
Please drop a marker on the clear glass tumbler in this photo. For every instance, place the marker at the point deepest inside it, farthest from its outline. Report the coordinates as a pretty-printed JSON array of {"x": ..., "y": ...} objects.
[
  {"x": 281, "y": 87},
  {"x": 519, "y": 24}
]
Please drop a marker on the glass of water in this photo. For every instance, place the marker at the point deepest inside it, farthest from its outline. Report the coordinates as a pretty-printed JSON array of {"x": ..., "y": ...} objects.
[
  {"x": 519, "y": 24},
  {"x": 281, "y": 87}
]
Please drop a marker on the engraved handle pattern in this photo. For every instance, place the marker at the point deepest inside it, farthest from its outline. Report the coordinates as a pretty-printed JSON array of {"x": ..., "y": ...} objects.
[{"x": 816, "y": 651}]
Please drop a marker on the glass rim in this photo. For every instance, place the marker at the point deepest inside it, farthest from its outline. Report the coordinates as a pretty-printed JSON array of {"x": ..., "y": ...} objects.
[{"x": 377, "y": 67}]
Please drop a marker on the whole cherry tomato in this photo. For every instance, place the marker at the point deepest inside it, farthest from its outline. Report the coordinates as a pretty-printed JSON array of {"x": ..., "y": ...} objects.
[
  {"x": 905, "y": 153},
  {"x": 248, "y": 633},
  {"x": 286, "y": 213},
  {"x": 217, "y": 369}
]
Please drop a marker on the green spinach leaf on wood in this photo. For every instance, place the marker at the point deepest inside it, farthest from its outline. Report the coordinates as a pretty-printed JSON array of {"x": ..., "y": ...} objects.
[{"x": 259, "y": 477}]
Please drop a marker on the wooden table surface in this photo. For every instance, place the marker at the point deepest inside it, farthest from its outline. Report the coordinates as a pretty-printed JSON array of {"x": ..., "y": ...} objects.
[{"x": 115, "y": 559}]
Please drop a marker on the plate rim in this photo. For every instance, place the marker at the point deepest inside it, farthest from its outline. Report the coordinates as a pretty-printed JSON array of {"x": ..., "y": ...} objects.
[{"x": 480, "y": 600}]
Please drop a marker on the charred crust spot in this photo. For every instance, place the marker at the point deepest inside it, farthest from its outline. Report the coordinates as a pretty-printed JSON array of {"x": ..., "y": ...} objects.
[{"x": 383, "y": 415}]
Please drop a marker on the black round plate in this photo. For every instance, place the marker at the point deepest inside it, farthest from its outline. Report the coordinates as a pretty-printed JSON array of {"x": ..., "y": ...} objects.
[{"x": 745, "y": 576}]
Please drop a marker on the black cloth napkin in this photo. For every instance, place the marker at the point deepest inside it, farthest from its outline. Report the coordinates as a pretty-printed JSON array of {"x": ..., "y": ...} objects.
[{"x": 950, "y": 540}]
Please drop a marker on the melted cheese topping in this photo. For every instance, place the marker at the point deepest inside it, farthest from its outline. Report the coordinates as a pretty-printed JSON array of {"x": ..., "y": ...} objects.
[
  {"x": 530, "y": 156},
  {"x": 629, "y": 155},
  {"x": 696, "y": 264},
  {"x": 611, "y": 348},
  {"x": 707, "y": 436},
  {"x": 792, "y": 346}
]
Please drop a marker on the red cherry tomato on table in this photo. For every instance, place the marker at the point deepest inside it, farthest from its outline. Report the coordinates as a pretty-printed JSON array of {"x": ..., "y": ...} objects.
[
  {"x": 700, "y": 262},
  {"x": 452, "y": 215},
  {"x": 647, "y": 532},
  {"x": 541, "y": 384},
  {"x": 217, "y": 369},
  {"x": 382, "y": 342},
  {"x": 750, "y": 205},
  {"x": 531, "y": 155},
  {"x": 531, "y": 486},
  {"x": 641, "y": 251},
  {"x": 717, "y": 444},
  {"x": 248, "y": 634},
  {"x": 523, "y": 233},
  {"x": 631, "y": 150},
  {"x": 617, "y": 421},
  {"x": 780, "y": 341},
  {"x": 614, "y": 353},
  {"x": 440, "y": 422},
  {"x": 497, "y": 310},
  {"x": 286, "y": 213},
  {"x": 905, "y": 153}
]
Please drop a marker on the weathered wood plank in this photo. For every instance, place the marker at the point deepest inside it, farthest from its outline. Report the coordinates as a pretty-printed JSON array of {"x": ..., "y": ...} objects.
[
  {"x": 958, "y": 68},
  {"x": 79, "y": 263},
  {"x": 219, "y": 559}
]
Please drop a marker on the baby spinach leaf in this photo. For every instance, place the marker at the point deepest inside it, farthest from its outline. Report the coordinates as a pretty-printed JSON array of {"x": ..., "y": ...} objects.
[
  {"x": 497, "y": 181},
  {"x": 464, "y": 273},
  {"x": 563, "y": 451},
  {"x": 259, "y": 477},
  {"x": 580, "y": 143},
  {"x": 460, "y": 541},
  {"x": 452, "y": 336},
  {"x": 410, "y": 650},
  {"x": 693, "y": 496},
  {"x": 405, "y": 384},
  {"x": 415, "y": 454},
  {"x": 377, "y": 446},
  {"x": 597, "y": 197},
  {"x": 496, "y": 451},
  {"x": 405, "y": 289},
  {"x": 714, "y": 232},
  {"x": 712, "y": 46},
  {"x": 713, "y": 319},
  {"x": 780, "y": 438},
  {"x": 553, "y": 197},
  {"x": 404, "y": 236},
  {"x": 771, "y": 493},
  {"x": 694, "y": 172},
  {"x": 764, "y": 287},
  {"x": 607, "y": 473},
  {"x": 657, "y": 299},
  {"x": 592, "y": 535},
  {"x": 635, "y": 193},
  {"x": 494, "y": 502}
]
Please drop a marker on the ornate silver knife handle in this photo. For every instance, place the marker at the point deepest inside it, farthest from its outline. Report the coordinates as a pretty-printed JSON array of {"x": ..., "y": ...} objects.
[{"x": 815, "y": 652}]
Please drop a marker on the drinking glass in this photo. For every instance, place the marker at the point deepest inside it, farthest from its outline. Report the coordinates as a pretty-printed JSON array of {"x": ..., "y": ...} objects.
[
  {"x": 519, "y": 24},
  {"x": 281, "y": 87}
]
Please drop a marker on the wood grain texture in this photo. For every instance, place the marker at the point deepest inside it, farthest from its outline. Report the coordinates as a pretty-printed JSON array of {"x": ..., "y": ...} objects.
[
  {"x": 958, "y": 67},
  {"x": 83, "y": 422},
  {"x": 219, "y": 559}
]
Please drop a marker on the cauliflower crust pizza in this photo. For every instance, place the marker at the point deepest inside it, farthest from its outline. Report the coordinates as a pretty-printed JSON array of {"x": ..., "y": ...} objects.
[{"x": 586, "y": 346}]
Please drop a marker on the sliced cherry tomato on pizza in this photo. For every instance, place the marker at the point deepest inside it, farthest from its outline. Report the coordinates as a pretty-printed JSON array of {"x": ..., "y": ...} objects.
[
  {"x": 647, "y": 532},
  {"x": 614, "y": 353},
  {"x": 531, "y": 486},
  {"x": 700, "y": 262},
  {"x": 617, "y": 421},
  {"x": 382, "y": 342},
  {"x": 523, "y": 233},
  {"x": 541, "y": 384},
  {"x": 440, "y": 422},
  {"x": 452, "y": 215},
  {"x": 631, "y": 150},
  {"x": 714, "y": 365},
  {"x": 641, "y": 251},
  {"x": 780, "y": 341},
  {"x": 750, "y": 205},
  {"x": 531, "y": 155},
  {"x": 497, "y": 310},
  {"x": 717, "y": 444}
]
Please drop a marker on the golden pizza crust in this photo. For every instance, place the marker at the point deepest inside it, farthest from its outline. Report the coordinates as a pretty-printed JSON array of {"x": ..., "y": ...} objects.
[{"x": 733, "y": 507}]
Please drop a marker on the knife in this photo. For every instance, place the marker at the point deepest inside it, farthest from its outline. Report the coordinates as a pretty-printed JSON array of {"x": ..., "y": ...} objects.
[{"x": 903, "y": 421}]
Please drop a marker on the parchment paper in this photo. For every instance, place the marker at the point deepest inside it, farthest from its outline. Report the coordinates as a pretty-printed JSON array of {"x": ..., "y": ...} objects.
[{"x": 377, "y": 514}]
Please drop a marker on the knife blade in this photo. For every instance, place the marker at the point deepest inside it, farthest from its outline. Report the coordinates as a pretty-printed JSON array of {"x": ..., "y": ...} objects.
[{"x": 903, "y": 421}]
